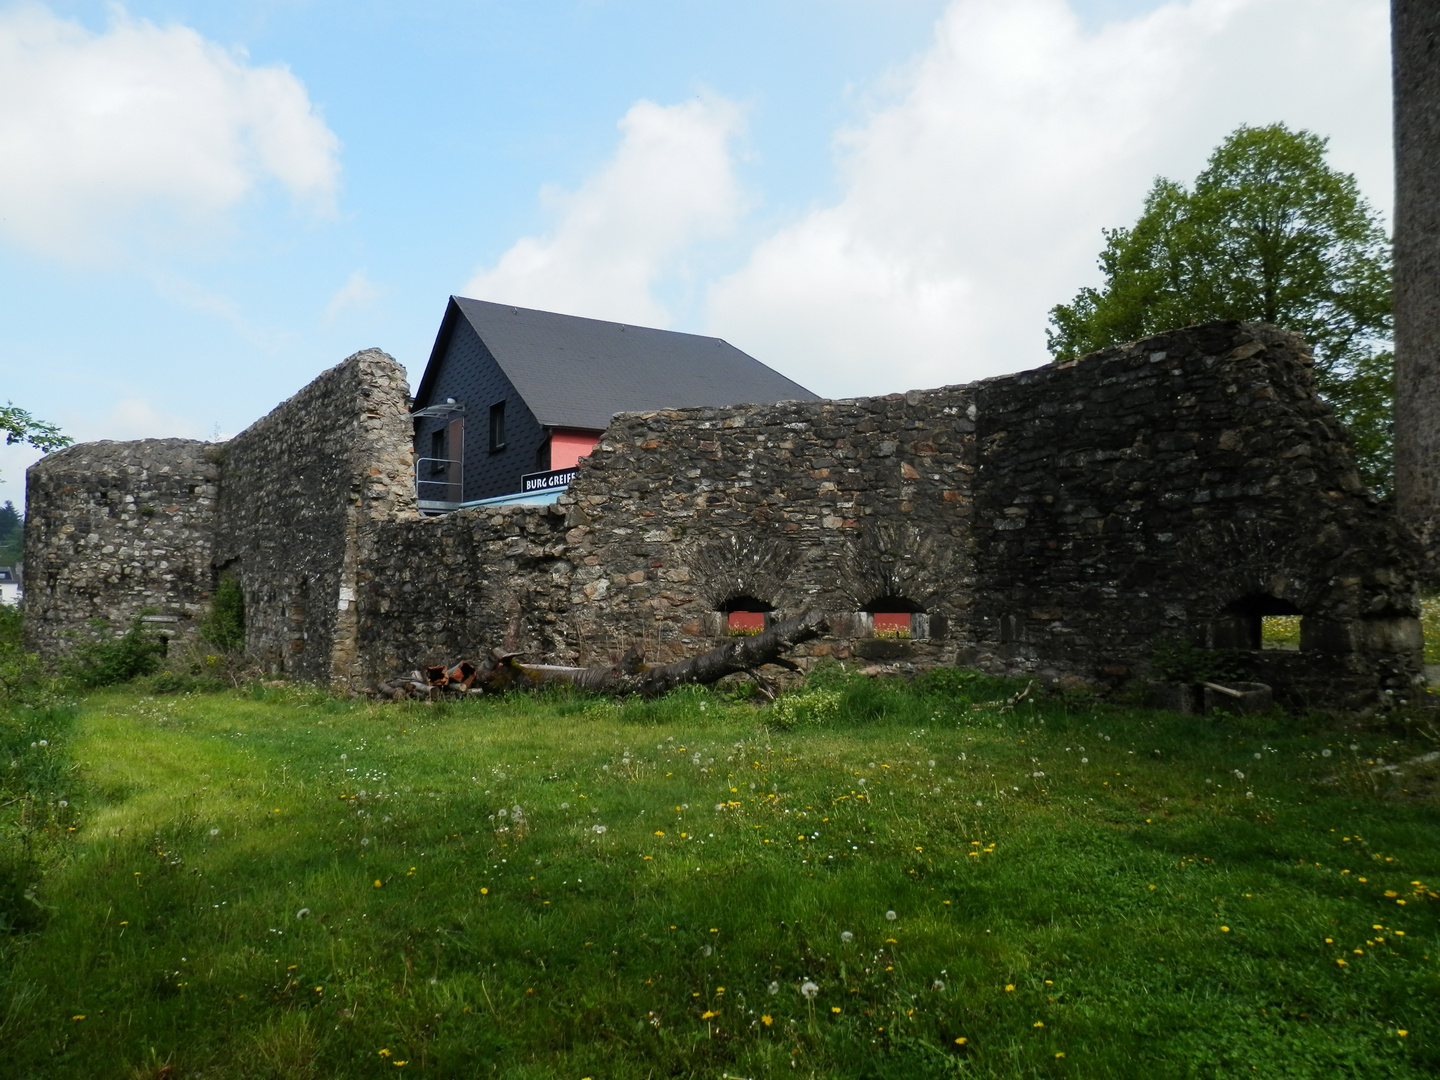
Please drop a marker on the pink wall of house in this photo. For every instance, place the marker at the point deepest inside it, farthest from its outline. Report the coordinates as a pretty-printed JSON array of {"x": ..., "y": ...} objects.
[{"x": 568, "y": 447}]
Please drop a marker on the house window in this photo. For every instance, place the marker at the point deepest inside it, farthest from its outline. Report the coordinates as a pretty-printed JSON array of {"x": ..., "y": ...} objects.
[
  {"x": 437, "y": 452},
  {"x": 497, "y": 426}
]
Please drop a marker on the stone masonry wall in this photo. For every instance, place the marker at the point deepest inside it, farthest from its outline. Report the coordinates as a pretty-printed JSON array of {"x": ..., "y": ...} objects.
[
  {"x": 1057, "y": 522},
  {"x": 298, "y": 489},
  {"x": 116, "y": 530},
  {"x": 1172, "y": 489},
  {"x": 830, "y": 504},
  {"x": 1415, "y": 39}
]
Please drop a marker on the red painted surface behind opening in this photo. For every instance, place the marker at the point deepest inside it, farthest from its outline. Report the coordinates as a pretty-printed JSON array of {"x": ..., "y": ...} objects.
[
  {"x": 568, "y": 447},
  {"x": 747, "y": 620},
  {"x": 892, "y": 621}
]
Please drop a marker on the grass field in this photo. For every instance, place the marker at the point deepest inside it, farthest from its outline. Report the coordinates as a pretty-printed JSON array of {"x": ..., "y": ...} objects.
[{"x": 873, "y": 880}]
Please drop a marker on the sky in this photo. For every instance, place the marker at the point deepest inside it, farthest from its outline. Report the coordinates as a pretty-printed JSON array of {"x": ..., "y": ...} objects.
[{"x": 203, "y": 206}]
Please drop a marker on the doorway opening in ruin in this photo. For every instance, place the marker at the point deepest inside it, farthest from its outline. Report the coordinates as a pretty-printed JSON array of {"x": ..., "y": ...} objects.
[
  {"x": 894, "y": 617},
  {"x": 746, "y": 614},
  {"x": 1266, "y": 622}
]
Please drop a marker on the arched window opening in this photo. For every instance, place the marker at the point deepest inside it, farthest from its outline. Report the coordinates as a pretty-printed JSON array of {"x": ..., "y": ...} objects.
[
  {"x": 746, "y": 614},
  {"x": 1264, "y": 622},
  {"x": 894, "y": 617}
]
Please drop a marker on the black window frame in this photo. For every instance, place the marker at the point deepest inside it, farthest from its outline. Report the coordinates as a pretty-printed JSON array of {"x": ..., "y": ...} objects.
[{"x": 497, "y": 427}]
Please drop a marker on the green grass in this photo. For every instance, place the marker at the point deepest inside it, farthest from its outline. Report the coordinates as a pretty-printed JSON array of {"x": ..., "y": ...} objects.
[
  {"x": 281, "y": 884},
  {"x": 1430, "y": 621}
]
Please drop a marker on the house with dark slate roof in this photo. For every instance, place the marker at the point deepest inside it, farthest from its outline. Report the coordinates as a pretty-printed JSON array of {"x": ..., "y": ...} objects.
[{"x": 512, "y": 397}]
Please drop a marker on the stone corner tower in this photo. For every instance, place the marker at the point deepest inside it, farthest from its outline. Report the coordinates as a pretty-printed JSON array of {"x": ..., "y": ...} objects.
[{"x": 1415, "y": 37}]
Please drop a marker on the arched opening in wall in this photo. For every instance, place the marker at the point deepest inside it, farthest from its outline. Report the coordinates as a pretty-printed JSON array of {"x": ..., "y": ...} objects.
[
  {"x": 746, "y": 615},
  {"x": 896, "y": 617},
  {"x": 1261, "y": 621}
]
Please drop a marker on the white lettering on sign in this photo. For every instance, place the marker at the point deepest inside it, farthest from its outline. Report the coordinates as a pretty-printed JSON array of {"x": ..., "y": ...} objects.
[{"x": 555, "y": 478}]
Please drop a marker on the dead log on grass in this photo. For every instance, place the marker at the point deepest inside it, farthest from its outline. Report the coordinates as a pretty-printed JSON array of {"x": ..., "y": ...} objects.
[{"x": 630, "y": 676}]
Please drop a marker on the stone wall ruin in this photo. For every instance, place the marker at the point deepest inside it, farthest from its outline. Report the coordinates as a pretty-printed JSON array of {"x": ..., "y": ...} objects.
[{"x": 1057, "y": 522}]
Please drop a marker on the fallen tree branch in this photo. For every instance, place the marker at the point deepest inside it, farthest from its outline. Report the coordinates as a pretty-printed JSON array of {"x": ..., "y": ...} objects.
[
  {"x": 731, "y": 658},
  {"x": 630, "y": 676}
]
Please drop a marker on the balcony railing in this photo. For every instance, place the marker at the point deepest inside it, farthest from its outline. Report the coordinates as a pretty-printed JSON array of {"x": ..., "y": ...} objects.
[{"x": 443, "y": 488}]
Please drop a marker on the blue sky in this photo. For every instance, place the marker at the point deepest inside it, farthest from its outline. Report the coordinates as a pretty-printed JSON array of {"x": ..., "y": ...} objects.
[{"x": 202, "y": 206}]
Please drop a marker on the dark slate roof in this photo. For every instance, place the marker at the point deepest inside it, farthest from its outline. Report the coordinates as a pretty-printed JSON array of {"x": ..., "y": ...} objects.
[{"x": 578, "y": 373}]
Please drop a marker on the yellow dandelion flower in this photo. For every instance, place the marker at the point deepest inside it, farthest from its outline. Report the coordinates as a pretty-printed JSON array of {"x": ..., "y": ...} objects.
[
  {"x": 484, "y": 892},
  {"x": 767, "y": 1019},
  {"x": 1039, "y": 1023},
  {"x": 1224, "y": 929},
  {"x": 384, "y": 1053},
  {"x": 1401, "y": 1032},
  {"x": 1060, "y": 1054},
  {"x": 961, "y": 1041},
  {"x": 834, "y": 1008},
  {"x": 80, "y": 1017},
  {"x": 659, "y": 832},
  {"x": 707, "y": 1014},
  {"x": 378, "y": 883},
  {"x": 1009, "y": 987}
]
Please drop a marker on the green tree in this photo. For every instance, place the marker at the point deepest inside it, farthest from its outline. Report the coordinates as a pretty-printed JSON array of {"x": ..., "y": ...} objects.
[
  {"x": 1269, "y": 233},
  {"x": 12, "y": 534},
  {"x": 20, "y": 427}
]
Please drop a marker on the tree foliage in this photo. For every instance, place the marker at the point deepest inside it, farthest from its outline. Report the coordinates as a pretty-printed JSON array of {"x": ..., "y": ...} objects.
[
  {"x": 20, "y": 427},
  {"x": 12, "y": 534},
  {"x": 1269, "y": 233}
]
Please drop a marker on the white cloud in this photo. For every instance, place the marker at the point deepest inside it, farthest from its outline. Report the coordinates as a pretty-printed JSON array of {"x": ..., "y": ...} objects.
[
  {"x": 670, "y": 185},
  {"x": 973, "y": 202},
  {"x": 136, "y": 418},
  {"x": 357, "y": 292},
  {"x": 142, "y": 128}
]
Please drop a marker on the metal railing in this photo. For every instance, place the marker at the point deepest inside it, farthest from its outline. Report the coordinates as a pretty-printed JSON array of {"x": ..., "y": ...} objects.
[{"x": 444, "y": 488}]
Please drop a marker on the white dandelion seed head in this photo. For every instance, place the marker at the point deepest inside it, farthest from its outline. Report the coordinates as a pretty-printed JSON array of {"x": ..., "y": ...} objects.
[
  {"x": 809, "y": 989},
  {"x": 564, "y": 806},
  {"x": 773, "y": 988},
  {"x": 598, "y": 830},
  {"x": 1354, "y": 746},
  {"x": 214, "y": 832},
  {"x": 365, "y": 841},
  {"x": 303, "y": 913},
  {"x": 707, "y": 950},
  {"x": 937, "y": 985},
  {"x": 1325, "y": 752},
  {"x": 1237, "y": 774},
  {"x": 979, "y": 802},
  {"x": 44, "y": 742},
  {"x": 63, "y": 803},
  {"x": 1257, "y": 757},
  {"x": 1084, "y": 761},
  {"x": 890, "y": 916},
  {"x": 932, "y": 763},
  {"x": 344, "y": 757},
  {"x": 846, "y": 936},
  {"x": 502, "y": 812}
]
